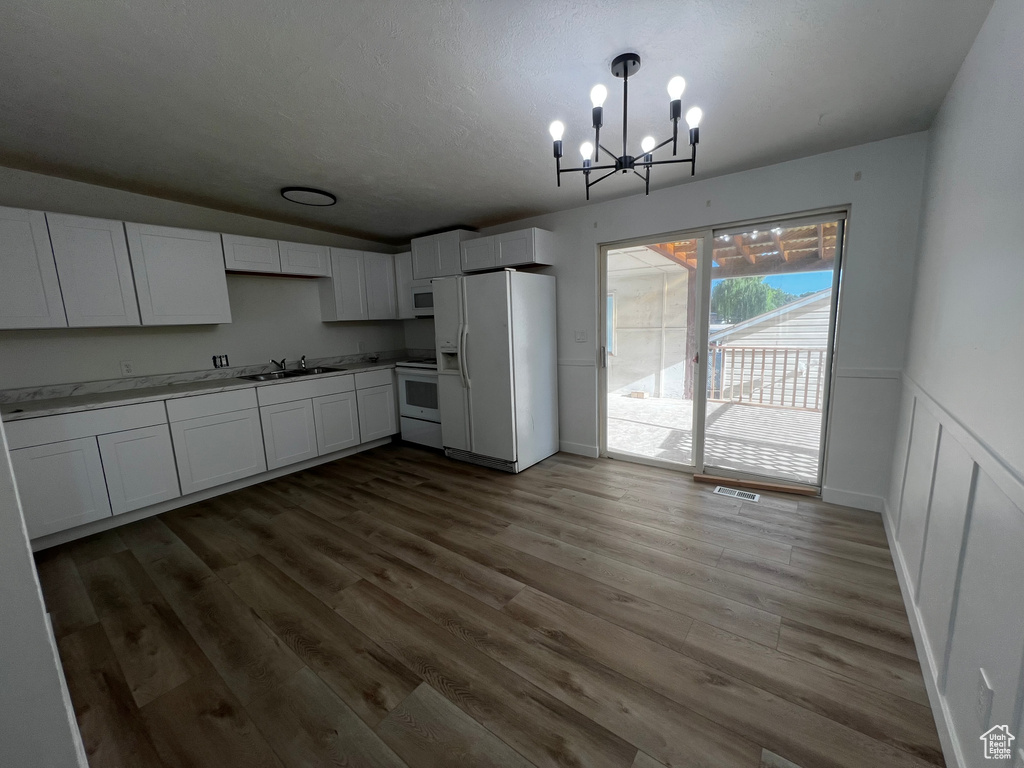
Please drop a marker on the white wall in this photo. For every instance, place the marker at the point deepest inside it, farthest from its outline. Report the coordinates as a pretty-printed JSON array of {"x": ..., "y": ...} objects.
[
  {"x": 36, "y": 722},
  {"x": 955, "y": 508},
  {"x": 272, "y": 316},
  {"x": 878, "y": 275}
]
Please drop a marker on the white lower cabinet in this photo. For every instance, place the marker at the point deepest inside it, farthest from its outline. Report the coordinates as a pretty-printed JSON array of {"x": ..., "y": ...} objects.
[
  {"x": 60, "y": 485},
  {"x": 213, "y": 450},
  {"x": 139, "y": 468},
  {"x": 337, "y": 422},
  {"x": 377, "y": 417},
  {"x": 289, "y": 434}
]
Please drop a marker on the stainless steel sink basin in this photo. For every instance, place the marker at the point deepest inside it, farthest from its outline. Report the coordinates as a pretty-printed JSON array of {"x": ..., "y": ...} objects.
[{"x": 275, "y": 375}]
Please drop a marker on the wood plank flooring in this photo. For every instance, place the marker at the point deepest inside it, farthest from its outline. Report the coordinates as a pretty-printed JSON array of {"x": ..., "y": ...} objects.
[{"x": 396, "y": 608}]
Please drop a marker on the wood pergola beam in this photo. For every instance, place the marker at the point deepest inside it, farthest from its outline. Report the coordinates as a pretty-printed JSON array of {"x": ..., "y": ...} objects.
[
  {"x": 671, "y": 255},
  {"x": 805, "y": 264}
]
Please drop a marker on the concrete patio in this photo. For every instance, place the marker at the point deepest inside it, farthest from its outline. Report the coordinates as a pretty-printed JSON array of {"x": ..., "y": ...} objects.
[{"x": 774, "y": 442}]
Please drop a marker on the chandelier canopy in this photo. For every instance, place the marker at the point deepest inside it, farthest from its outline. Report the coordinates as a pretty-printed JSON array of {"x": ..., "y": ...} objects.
[{"x": 623, "y": 67}]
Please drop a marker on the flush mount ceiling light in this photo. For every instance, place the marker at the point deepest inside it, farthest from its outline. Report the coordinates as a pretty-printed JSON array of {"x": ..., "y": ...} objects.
[
  {"x": 624, "y": 66},
  {"x": 308, "y": 196}
]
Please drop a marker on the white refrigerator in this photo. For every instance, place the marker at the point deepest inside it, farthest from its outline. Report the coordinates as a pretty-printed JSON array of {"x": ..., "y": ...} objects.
[{"x": 497, "y": 374}]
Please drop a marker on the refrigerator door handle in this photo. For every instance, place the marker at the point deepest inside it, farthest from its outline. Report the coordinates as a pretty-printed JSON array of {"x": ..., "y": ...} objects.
[{"x": 463, "y": 367}]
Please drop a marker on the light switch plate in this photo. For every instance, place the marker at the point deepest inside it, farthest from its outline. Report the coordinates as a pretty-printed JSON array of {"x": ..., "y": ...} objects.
[{"x": 581, "y": 337}]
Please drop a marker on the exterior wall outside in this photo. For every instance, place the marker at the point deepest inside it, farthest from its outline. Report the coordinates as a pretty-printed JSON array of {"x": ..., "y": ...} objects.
[{"x": 803, "y": 327}]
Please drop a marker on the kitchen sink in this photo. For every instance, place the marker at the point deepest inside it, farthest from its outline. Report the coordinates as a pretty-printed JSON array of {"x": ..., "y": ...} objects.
[{"x": 276, "y": 375}]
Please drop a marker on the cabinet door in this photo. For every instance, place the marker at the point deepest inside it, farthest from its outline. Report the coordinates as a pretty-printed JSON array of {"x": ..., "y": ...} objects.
[
  {"x": 425, "y": 258},
  {"x": 343, "y": 297},
  {"x": 288, "y": 433},
  {"x": 376, "y": 412},
  {"x": 449, "y": 253},
  {"x": 213, "y": 450},
  {"x": 95, "y": 272},
  {"x": 478, "y": 254},
  {"x": 179, "y": 275},
  {"x": 61, "y": 485},
  {"x": 305, "y": 259},
  {"x": 403, "y": 286},
  {"x": 515, "y": 248},
  {"x": 139, "y": 467},
  {"x": 250, "y": 254},
  {"x": 337, "y": 422},
  {"x": 29, "y": 290},
  {"x": 380, "y": 286}
]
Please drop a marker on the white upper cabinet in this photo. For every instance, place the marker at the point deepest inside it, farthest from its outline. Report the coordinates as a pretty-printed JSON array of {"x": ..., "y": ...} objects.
[
  {"x": 439, "y": 255},
  {"x": 305, "y": 259},
  {"x": 251, "y": 254},
  {"x": 403, "y": 286},
  {"x": 521, "y": 248},
  {"x": 179, "y": 275},
  {"x": 95, "y": 271},
  {"x": 343, "y": 297},
  {"x": 29, "y": 290},
  {"x": 379, "y": 275}
]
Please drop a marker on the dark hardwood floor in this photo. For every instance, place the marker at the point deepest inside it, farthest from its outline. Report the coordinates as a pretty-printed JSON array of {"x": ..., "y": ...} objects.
[{"x": 398, "y": 609}]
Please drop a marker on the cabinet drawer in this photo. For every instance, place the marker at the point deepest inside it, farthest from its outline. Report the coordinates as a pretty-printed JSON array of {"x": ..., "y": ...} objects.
[
  {"x": 60, "y": 485},
  {"x": 197, "y": 406},
  {"x": 376, "y": 378},
  {"x": 305, "y": 389},
  {"x": 71, "y": 426}
]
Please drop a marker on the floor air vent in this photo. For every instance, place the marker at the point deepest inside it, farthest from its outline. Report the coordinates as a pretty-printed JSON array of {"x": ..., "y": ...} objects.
[{"x": 721, "y": 490}]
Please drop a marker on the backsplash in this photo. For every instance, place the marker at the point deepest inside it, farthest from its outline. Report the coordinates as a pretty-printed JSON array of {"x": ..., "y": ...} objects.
[{"x": 47, "y": 392}]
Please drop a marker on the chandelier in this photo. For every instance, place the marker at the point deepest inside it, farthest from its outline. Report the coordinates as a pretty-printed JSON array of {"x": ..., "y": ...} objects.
[{"x": 623, "y": 66}]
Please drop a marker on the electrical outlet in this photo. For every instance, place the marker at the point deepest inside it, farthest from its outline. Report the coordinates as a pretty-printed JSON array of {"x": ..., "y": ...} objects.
[
  {"x": 127, "y": 368},
  {"x": 220, "y": 361},
  {"x": 581, "y": 337},
  {"x": 985, "y": 694}
]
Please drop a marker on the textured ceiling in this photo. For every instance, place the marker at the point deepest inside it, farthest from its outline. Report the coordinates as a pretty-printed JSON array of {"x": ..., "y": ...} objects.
[{"x": 420, "y": 115}]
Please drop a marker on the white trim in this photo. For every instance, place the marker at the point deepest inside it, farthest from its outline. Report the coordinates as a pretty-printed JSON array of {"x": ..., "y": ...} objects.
[
  {"x": 940, "y": 711},
  {"x": 580, "y": 449},
  {"x": 651, "y": 461},
  {"x": 853, "y": 499},
  {"x": 993, "y": 464},
  {"x": 578, "y": 363},
  {"x": 78, "y": 532}
]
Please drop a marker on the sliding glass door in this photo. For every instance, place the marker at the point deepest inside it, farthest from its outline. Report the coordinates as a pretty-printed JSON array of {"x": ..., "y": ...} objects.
[
  {"x": 718, "y": 348},
  {"x": 771, "y": 318}
]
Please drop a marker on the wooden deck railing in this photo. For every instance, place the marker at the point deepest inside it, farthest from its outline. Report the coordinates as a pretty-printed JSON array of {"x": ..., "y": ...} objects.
[{"x": 783, "y": 377}]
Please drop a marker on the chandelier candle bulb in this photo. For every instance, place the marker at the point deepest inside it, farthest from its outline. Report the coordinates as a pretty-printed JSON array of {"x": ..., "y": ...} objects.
[
  {"x": 676, "y": 86},
  {"x": 693, "y": 116},
  {"x": 557, "y": 129},
  {"x": 598, "y": 94},
  {"x": 587, "y": 150}
]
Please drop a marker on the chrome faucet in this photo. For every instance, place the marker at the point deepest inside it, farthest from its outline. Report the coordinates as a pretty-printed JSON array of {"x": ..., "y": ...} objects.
[
  {"x": 280, "y": 365},
  {"x": 302, "y": 363}
]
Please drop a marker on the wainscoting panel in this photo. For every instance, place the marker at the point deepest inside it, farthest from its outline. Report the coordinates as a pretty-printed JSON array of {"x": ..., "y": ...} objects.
[{"x": 956, "y": 528}]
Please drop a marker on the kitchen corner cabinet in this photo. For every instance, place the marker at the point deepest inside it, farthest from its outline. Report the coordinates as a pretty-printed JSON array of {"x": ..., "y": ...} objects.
[
  {"x": 439, "y": 255},
  {"x": 29, "y": 290},
  {"x": 95, "y": 271},
  {"x": 343, "y": 297},
  {"x": 60, "y": 485},
  {"x": 251, "y": 254},
  {"x": 305, "y": 259},
  {"x": 521, "y": 248},
  {"x": 179, "y": 275}
]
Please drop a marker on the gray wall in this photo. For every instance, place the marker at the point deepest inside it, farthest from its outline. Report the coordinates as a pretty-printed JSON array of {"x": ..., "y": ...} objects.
[
  {"x": 878, "y": 280},
  {"x": 272, "y": 316},
  {"x": 36, "y": 721},
  {"x": 957, "y": 492}
]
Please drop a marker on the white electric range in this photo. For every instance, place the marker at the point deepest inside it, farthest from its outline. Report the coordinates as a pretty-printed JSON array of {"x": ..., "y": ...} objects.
[{"x": 417, "y": 401}]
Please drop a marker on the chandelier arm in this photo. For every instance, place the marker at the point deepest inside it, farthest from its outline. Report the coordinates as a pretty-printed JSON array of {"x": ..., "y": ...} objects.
[
  {"x": 668, "y": 162},
  {"x": 588, "y": 168},
  {"x": 608, "y": 152},
  {"x": 602, "y": 178}
]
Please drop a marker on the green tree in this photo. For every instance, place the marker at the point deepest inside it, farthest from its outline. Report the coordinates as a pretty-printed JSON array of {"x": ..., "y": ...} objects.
[{"x": 741, "y": 298}]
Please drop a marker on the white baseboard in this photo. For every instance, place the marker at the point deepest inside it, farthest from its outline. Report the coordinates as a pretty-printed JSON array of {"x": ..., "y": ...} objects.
[
  {"x": 580, "y": 449},
  {"x": 940, "y": 712},
  {"x": 98, "y": 526},
  {"x": 853, "y": 499}
]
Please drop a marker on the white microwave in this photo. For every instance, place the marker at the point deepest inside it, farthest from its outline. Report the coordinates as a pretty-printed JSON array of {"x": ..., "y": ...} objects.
[{"x": 422, "y": 298}]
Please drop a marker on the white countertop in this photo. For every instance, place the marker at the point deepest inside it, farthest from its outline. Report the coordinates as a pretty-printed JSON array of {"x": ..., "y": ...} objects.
[{"x": 30, "y": 409}]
